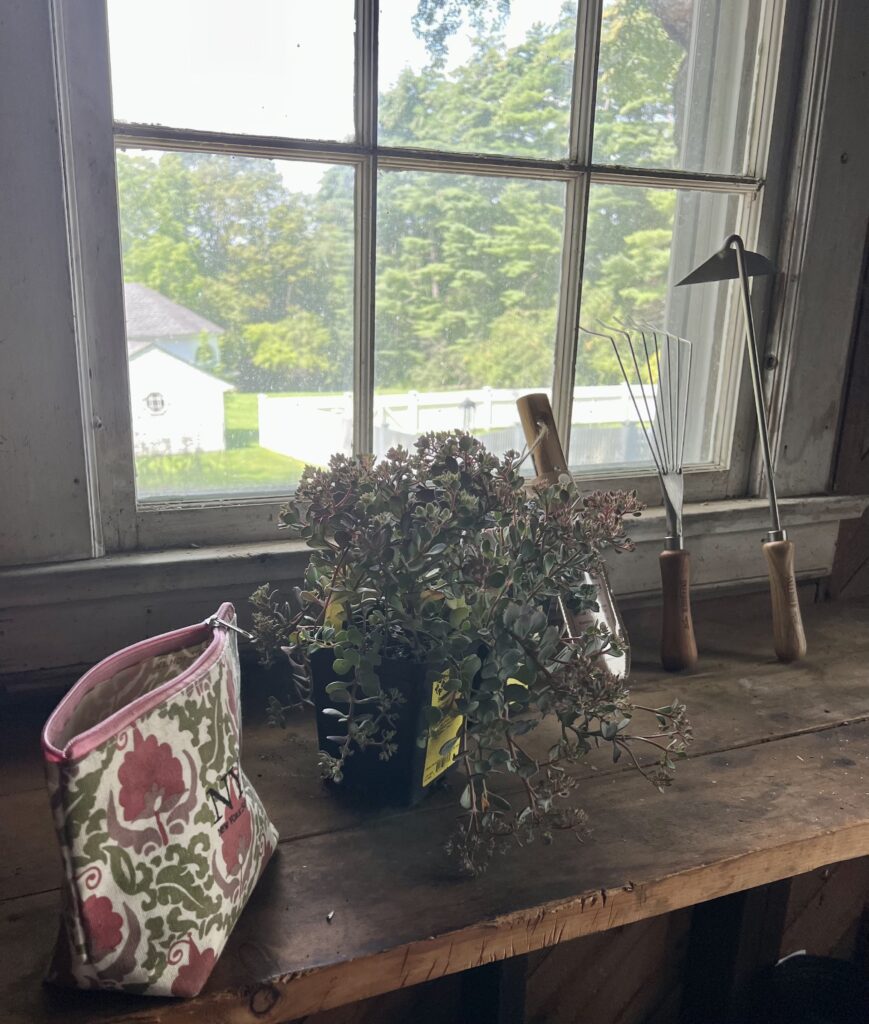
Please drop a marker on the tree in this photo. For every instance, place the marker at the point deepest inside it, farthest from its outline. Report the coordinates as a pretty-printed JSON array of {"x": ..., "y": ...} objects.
[
  {"x": 295, "y": 349},
  {"x": 467, "y": 265}
]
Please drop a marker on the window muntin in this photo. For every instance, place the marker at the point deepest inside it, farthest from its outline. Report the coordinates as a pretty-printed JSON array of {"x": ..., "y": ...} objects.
[{"x": 577, "y": 176}]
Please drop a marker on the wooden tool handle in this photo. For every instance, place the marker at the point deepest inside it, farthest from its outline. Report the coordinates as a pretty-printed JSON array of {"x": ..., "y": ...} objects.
[
  {"x": 787, "y": 623},
  {"x": 548, "y": 455},
  {"x": 678, "y": 646}
]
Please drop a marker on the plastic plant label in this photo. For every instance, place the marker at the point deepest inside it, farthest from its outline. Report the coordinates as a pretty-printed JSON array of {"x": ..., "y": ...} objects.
[{"x": 439, "y": 756}]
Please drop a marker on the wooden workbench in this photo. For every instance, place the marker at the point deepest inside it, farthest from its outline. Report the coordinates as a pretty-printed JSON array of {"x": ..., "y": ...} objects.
[{"x": 777, "y": 783}]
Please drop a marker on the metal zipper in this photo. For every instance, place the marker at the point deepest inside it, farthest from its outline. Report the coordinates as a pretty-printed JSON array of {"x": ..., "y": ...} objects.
[{"x": 215, "y": 621}]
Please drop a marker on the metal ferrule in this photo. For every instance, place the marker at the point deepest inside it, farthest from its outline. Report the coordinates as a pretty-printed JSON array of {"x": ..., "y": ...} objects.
[
  {"x": 775, "y": 535},
  {"x": 673, "y": 542}
]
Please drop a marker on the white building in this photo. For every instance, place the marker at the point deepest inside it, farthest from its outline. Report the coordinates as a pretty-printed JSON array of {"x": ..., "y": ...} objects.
[{"x": 177, "y": 406}]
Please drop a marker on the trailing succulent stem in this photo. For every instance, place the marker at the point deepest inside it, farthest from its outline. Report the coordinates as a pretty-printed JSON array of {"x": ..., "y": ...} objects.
[{"x": 445, "y": 556}]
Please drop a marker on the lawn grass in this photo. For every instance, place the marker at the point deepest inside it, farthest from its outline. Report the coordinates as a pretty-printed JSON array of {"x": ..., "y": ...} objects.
[
  {"x": 241, "y": 411},
  {"x": 239, "y": 470}
]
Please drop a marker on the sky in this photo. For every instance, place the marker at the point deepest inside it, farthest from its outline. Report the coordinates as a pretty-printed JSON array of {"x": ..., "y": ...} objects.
[{"x": 265, "y": 67}]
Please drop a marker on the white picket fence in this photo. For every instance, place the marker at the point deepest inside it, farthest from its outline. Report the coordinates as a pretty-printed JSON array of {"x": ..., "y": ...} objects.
[{"x": 310, "y": 428}]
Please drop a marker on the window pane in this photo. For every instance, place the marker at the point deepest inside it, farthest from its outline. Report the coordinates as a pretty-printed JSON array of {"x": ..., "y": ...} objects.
[
  {"x": 238, "y": 281},
  {"x": 497, "y": 79},
  {"x": 467, "y": 292},
  {"x": 219, "y": 65},
  {"x": 675, "y": 83},
  {"x": 641, "y": 241}
]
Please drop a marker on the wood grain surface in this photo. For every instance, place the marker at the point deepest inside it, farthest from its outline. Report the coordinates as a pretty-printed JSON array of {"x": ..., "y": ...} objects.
[
  {"x": 678, "y": 644},
  {"x": 789, "y": 639},
  {"x": 777, "y": 784}
]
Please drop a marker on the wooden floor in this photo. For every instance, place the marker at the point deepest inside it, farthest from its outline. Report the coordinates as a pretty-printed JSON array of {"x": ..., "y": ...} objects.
[{"x": 777, "y": 784}]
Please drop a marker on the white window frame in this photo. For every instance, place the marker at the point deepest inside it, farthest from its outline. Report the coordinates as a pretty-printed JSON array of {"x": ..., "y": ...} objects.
[{"x": 88, "y": 142}]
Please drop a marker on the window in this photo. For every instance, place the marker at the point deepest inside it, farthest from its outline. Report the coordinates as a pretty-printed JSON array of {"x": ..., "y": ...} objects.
[
  {"x": 507, "y": 170},
  {"x": 156, "y": 403}
]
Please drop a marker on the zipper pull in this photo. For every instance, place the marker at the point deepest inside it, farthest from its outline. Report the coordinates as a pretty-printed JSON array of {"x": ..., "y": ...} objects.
[{"x": 214, "y": 621}]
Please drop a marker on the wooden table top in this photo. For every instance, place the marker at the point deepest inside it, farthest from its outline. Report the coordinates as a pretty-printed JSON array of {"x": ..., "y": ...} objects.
[{"x": 777, "y": 783}]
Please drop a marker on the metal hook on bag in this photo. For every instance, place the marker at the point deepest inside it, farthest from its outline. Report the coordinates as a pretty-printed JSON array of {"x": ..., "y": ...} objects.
[{"x": 215, "y": 621}]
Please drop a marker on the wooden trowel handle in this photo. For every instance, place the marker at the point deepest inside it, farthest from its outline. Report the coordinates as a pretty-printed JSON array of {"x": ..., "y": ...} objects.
[
  {"x": 535, "y": 411},
  {"x": 678, "y": 646},
  {"x": 787, "y": 623}
]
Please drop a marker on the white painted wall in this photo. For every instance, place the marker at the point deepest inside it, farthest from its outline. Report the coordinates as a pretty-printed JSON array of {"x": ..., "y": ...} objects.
[{"x": 192, "y": 418}]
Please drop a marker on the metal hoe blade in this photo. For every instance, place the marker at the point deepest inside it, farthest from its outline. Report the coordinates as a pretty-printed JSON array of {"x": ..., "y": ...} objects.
[
  {"x": 731, "y": 261},
  {"x": 724, "y": 266}
]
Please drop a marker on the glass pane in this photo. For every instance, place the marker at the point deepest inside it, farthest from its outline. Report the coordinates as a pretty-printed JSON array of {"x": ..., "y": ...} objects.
[
  {"x": 218, "y": 65},
  {"x": 238, "y": 283},
  {"x": 467, "y": 292},
  {"x": 641, "y": 241},
  {"x": 675, "y": 83},
  {"x": 488, "y": 77}
]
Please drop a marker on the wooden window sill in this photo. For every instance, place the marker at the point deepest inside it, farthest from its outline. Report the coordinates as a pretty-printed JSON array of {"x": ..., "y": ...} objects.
[{"x": 59, "y": 617}]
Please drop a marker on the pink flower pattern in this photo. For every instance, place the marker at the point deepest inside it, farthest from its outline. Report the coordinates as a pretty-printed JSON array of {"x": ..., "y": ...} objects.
[
  {"x": 151, "y": 781},
  {"x": 193, "y": 975},
  {"x": 102, "y": 925}
]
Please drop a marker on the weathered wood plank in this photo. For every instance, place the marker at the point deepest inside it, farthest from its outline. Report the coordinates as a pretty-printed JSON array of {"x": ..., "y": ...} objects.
[
  {"x": 731, "y": 939},
  {"x": 632, "y": 975},
  {"x": 735, "y": 699},
  {"x": 738, "y": 820},
  {"x": 826, "y": 909}
]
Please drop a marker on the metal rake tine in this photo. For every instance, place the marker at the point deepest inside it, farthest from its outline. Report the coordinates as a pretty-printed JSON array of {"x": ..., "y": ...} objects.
[
  {"x": 662, "y": 403},
  {"x": 680, "y": 422},
  {"x": 673, "y": 398},
  {"x": 684, "y": 348},
  {"x": 664, "y": 441},
  {"x": 689, "y": 349},
  {"x": 660, "y": 462},
  {"x": 685, "y": 356},
  {"x": 683, "y": 384},
  {"x": 627, "y": 380}
]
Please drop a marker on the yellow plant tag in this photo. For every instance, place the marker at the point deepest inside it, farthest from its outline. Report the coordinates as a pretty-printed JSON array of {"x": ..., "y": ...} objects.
[
  {"x": 448, "y": 728},
  {"x": 334, "y": 615}
]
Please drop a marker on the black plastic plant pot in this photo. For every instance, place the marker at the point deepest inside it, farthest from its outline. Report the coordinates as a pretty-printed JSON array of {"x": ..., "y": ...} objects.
[{"x": 406, "y": 777}]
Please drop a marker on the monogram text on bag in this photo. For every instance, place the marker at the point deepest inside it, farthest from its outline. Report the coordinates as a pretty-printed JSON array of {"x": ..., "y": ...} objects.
[{"x": 230, "y": 796}]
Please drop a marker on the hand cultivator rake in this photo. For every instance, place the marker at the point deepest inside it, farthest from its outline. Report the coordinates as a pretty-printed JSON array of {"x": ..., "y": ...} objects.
[{"x": 656, "y": 367}]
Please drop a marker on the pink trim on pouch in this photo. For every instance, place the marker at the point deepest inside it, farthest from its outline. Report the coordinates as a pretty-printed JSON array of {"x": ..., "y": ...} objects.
[{"x": 78, "y": 746}]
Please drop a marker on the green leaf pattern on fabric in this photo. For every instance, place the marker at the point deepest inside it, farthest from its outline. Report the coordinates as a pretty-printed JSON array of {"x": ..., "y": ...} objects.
[{"x": 162, "y": 837}]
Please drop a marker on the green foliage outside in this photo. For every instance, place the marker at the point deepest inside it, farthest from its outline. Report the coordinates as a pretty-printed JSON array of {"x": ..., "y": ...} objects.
[{"x": 468, "y": 266}]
